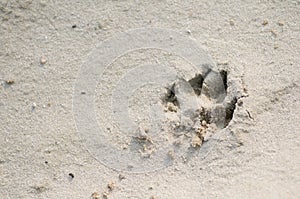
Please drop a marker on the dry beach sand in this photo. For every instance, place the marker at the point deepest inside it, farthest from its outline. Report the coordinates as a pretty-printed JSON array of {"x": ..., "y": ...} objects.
[{"x": 238, "y": 140}]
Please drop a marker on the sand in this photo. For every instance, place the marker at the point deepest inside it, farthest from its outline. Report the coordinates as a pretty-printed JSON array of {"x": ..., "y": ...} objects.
[{"x": 238, "y": 142}]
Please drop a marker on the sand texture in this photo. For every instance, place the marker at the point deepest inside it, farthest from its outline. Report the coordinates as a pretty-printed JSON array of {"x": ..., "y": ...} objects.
[{"x": 157, "y": 99}]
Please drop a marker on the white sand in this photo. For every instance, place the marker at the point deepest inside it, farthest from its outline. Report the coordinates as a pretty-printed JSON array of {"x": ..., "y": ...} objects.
[{"x": 256, "y": 156}]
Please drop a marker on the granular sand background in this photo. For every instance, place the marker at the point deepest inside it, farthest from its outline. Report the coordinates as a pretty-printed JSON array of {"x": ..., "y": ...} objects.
[{"x": 255, "y": 158}]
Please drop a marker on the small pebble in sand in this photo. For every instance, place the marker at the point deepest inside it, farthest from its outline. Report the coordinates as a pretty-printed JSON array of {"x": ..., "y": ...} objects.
[
  {"x": 125, "y": 146},
  {"x": 196, "y": 142},
  {"x": 204, "y": 123},
  {"x": 111, "y": 186},
  {"x": 10, "y": 82},
  {"x": 95, "y": 195},
  {"x": 146, "y": 151},
  {"x": 143, "y": 135},
  {"x": 231, "y": 22},
  {"x": 43, "y": 60},
  {"x": 71, "y": 175},
  {"x": 33, "y": 105},
  {"x": 265, "y": 22},
  {"x": 105, "y": 195},
  {"x": 280, "y": 23},
  {"x": 171, "y": 107},
  {"x": 240, "y": 102},
  {"x": 171, "y": 154}
]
